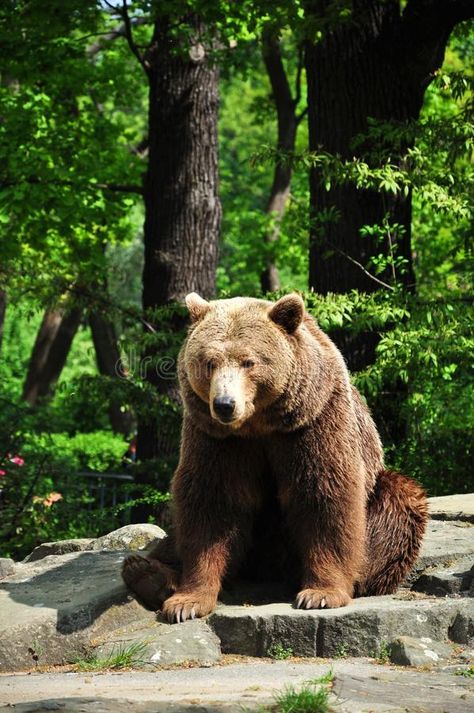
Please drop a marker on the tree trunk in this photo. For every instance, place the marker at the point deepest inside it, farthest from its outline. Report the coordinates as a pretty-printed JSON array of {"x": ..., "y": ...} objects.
[
  {"x": 50, "y": 352},
  {"x": 182, "y": 207},
  {"x": 354, "y": 73},
  {"x": 182, "y": 204},
  {"x": 108, "y": 359},
  {"x": 287, "y": 122},
  {"x": 376, "y": 65},
  {"x": 3, "y": 308}
]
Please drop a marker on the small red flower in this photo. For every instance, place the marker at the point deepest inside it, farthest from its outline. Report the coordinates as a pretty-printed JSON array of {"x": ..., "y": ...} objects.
[
  {"x": 2, "y": 473},
  {"x": 17, "y": 460}
]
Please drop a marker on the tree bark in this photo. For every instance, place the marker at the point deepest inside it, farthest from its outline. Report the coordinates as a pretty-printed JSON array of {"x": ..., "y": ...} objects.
[
  {"x": 287, "y": 123},
  {"x": 107, "y": 354},
  {"x": 182, "y": 204},
  {"x": 50, "y": 352},
  {"x": 182, "y": 207},
  {"x": 376, "y": 65}
]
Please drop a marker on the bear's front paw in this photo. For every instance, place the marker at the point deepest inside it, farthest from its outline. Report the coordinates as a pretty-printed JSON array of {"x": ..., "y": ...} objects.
[
  {"x": 188, "y": 605},
  {"x": 322, "y": 598}
]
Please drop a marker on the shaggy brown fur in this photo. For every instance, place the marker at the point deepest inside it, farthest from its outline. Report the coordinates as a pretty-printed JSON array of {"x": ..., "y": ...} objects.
[{"x": 299, "y": 456}]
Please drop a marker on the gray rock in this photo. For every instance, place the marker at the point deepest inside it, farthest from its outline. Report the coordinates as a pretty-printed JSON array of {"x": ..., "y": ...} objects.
[
  {"x": 62, "y": 547},
  {"x": 7, "y": 567},
  {"x": 360, "y": 629},
  {"x": 444, "y": 544},
  {"x": 446, "y": 581},
  {"x": 452, "y": 507},
  {"x": 129, "y": 537},
  {"x": 164, "y": 644},
  {"x": 358, "y": 687},
  {"x": 407, "y": 651},
  {"x": 51, "y": 609}
]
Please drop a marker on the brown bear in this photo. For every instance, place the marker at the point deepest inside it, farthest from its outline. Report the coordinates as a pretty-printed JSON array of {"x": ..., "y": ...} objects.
[{"x": 281, "y": 468}]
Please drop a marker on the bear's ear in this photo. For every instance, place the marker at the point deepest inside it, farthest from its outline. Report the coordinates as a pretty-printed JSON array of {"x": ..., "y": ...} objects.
[
  {"x": 197, "y": 306},
  {"x": 288, "y": 312}
]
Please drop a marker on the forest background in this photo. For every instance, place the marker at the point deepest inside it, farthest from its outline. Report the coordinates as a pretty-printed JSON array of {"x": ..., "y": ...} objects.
[{"x": 149, "y": 149}]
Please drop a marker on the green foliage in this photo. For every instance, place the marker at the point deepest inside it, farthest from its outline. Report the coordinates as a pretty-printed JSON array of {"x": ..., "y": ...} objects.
[
  {"x": 247, "y": 120},
  {"x": 41, "y": 497},
  {"x": 382, "y": 654},
  {"x": 278, "y": 652},
  {"x": 341, "y": 652},
  {"x": 421, "y": 390},
  {"x": 65, "y": 143}
]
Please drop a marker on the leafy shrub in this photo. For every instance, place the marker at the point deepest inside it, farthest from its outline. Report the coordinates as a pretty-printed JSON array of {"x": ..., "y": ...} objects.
[{"x": 41, "y": 497}]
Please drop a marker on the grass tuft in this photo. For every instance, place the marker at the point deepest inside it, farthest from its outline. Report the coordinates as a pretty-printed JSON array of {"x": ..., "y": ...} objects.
[
  {"x": 313, "y": 697},
  {"x": 467, "y": 672},
  {"x": 123, "y": 657}
]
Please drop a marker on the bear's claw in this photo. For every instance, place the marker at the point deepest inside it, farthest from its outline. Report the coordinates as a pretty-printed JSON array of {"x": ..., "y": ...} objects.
[
  {"x": 321, "y": 599},
  {"x": 180, "y": 607}
]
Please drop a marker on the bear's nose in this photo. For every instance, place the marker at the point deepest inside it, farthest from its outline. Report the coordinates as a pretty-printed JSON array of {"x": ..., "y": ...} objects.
[{"x": 224, "y": 406}]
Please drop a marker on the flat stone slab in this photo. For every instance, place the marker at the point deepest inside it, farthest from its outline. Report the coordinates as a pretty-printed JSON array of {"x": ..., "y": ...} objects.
[
  {"x": 445, "y": 543},
  {"x": 445, "y": 581},
  {"x": 51, "y": 608},
  {"x": 360, "y": 629},
  {"x": 452, "y": 507},
  {"x": 358, "y": 687},
  {"x": 61, "y": 547},
  {"x": 161, "y": 644},
  {"x": 61, "y": 608}
]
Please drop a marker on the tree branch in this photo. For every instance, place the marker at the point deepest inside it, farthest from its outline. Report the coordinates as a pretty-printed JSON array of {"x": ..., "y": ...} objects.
[
  {"x": 448, "y": 11},
  {"x": 359, "y": 265},
  {"x": 114, "y": 187},
  {"x": 129, "y": 36},
  {"x": 299, "y": 72},
  {"x": 276, "y": 71},
  {"x": 126, "y": 30},
  {"x": 426, "y": 27}
]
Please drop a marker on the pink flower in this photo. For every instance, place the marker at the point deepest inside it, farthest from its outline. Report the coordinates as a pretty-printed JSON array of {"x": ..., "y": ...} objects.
[
  {"x": 2, "y": 473},
  {"x": 17, "y": 460}
]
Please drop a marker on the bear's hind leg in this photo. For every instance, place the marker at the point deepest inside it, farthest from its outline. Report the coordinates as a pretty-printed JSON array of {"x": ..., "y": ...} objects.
[
  {"x": 397, "y": 514},
  {"x": 153, "y": 576}
]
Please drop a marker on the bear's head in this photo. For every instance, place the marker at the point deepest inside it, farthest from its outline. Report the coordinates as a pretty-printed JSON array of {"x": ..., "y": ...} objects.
[{"x": 239, "y": 357}]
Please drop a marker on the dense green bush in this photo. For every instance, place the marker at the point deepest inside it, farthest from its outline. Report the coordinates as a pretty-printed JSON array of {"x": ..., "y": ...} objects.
[{"x": 41, "y": 496}]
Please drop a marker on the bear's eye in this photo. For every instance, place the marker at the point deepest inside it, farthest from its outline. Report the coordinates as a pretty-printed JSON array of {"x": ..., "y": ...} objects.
[
  {"x": 248, "y": 363},
  {"x": 210, "y": 366}
]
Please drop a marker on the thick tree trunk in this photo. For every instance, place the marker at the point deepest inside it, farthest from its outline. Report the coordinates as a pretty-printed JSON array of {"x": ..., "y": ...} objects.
[
  {"x": 3, "y": 308},
  {"x": 287, "y": 122},
  {"x": 376, "y": 65},
  {"x": 108, "y": 360},
  {"x": 181, "y": 187},
  {"x": 356, "y": 72},
  {"x": 182, "y": 204},
  {"x": 50, "y": 352}
]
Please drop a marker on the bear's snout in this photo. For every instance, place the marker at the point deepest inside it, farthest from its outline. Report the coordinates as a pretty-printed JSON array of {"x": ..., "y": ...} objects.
[{"x": 224, "y": 407}]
